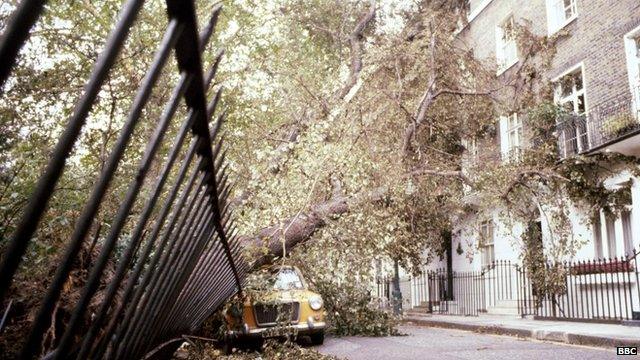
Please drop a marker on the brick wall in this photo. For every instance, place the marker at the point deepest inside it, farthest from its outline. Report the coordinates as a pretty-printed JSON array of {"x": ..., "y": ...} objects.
[{"x": 596, "y": 40}]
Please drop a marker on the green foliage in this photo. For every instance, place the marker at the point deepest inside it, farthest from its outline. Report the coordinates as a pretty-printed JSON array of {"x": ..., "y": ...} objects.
[
  {"x": 352, "y": 310},
  {"x": 337, "y": 264},
  {"x": 619, "y": 125}
]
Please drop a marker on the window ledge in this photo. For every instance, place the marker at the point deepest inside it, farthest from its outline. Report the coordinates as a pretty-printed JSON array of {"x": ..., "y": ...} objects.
[
  {"x": 563, "y": 25},
  {"x": 502, "y": 69}
]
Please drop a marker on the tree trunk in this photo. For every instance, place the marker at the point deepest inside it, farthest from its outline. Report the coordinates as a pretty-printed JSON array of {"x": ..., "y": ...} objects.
[{"x": 294, "y": 230}]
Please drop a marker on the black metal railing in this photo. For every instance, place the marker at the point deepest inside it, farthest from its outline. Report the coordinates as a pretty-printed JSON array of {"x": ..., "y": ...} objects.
[
  {"x": 384, "y": 291},
  {"x": 466, "y": 293},
  {"x": 181, "y": 261},
  {"x": 603, "y": 289},
  {"x": 573, "y": 136},
  {"x": 612, "y": 120}
]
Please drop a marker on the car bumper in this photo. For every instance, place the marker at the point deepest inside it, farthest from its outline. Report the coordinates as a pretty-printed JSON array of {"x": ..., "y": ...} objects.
[{"x": 301, "y": 328}]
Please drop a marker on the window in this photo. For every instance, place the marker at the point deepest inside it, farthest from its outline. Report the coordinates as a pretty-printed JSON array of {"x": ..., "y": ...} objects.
[
  {"x": 632, "y": 45},
  {"x": 610, "y": 225},
  {"x": 560, "y": 13},
  {"x": 288, "y": 279},
  {"x": 597, "y": 236},
  {"x": 626, "y": 232},
  {"x": 616, "y": 226},
  {"x": 471, "y": 145},
  {"x": 487, "y": 243},
  {"x": 570, "y": 91},
  {"x": 506, "y": 47},
  {"x": 511, "y": 137},
  {"x": 514, "y": 134},
  {"x": 572, "y": 128}
]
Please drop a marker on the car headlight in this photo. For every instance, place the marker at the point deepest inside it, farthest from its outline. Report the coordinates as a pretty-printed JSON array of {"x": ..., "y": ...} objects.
[{"x": 315, "y": 302}]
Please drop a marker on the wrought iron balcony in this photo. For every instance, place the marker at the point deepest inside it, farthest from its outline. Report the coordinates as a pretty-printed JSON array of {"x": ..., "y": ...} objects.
[{"x": 608, "y": 123}]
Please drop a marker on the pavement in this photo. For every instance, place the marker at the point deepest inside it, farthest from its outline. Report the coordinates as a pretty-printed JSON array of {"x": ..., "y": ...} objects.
[
  {"x": 576, "y": 333},
  {"x": 443, "y": 344}
]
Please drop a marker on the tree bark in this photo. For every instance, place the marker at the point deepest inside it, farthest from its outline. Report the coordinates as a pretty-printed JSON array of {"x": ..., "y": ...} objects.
[
  {"x": 355, "y": 42},
  {"x": 301, "y": 227},
  {"x": 279, "y": 239}
]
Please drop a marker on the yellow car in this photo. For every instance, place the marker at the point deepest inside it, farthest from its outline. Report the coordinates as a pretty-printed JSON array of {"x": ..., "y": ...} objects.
[{"x": 287, "y": 306}]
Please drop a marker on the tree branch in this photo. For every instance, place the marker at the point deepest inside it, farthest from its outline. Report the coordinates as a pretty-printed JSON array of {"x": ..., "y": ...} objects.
[
  {"x": 355, "y": 41},
  {"x": 301, "y": 227},
  {"x": 444, "y": 173},
  {"x": 523, "y": 176}
]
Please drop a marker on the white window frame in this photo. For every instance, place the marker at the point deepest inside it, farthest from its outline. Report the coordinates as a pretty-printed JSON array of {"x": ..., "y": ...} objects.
[
  {"x": 612, "y": 238},
  {"x": 511, "y": 137},
  {"x": 582, "y": 135},
  {"x": 597, "y": 237},
  {"x": 488, "y": 250},
  {"x": 477, "y": 10},
  {"x": 633, "y": 66},
  {"x": 575, "y": 93},
  {"x": 613, "y": 235},
  {"x": 471, "y": 145},
  {"x": 514, "y": 134},
  {"x": 626, "y": 220},
  {"x": 556, "y": 14},
  {"x": 506, "y": 48}
]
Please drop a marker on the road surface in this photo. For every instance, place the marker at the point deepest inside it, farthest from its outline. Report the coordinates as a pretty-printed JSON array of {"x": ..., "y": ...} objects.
[{"x": 442, "y": 344}]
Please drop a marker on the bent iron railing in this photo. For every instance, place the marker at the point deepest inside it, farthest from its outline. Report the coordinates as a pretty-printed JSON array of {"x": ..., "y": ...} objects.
[{"x": 167, "y": 280}]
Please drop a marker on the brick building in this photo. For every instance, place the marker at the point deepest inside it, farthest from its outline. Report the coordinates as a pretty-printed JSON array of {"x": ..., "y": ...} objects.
[{"x": 596, "y": 75}]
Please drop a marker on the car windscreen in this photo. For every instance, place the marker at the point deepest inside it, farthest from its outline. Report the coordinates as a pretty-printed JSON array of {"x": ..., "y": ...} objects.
[{"x": 287, "y": 279}]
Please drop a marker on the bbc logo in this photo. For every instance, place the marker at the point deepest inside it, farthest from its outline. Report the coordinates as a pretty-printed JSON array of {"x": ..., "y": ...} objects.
[{"x": 627, "y": 350}]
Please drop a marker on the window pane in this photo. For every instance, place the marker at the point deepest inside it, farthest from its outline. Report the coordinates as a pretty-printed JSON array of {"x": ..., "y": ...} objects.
[
  {"x": 288, "y": 279},
  {"x": 571, "y": 92},
  {"x": 581, "y": 107},
  {"x": 566, "y": 86},
  {"x": 597, "y": 236},
  {"x": 577, "y": 80},
  {"x": 568, "y": 13},
  {"x": 626, "y": 232},
  {"x": 520, "y": 133},
  {"x": 569, "y": 8},
  {"x": 611, "y": 235}
]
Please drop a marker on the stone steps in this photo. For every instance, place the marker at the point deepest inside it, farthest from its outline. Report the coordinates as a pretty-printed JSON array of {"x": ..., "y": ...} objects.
[{"x": 504, "y": 307}]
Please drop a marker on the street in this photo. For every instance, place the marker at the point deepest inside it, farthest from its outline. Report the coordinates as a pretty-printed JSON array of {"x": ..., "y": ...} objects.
[{"x": 435, "y": 343}]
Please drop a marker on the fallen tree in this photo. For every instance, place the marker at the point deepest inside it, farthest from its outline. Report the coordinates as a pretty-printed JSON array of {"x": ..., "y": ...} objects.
[{"x": 278, "y": 240}]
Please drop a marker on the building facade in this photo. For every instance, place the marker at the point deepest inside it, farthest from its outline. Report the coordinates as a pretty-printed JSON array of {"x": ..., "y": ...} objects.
[{"x": 595, "y": 75}]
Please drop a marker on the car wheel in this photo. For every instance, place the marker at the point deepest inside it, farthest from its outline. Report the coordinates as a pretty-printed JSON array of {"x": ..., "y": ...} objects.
[{"x": 317, "y": 338}]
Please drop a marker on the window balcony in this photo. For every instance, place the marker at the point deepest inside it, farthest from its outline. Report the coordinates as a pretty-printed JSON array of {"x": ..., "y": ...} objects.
[{"x": 609, "y": 126}]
